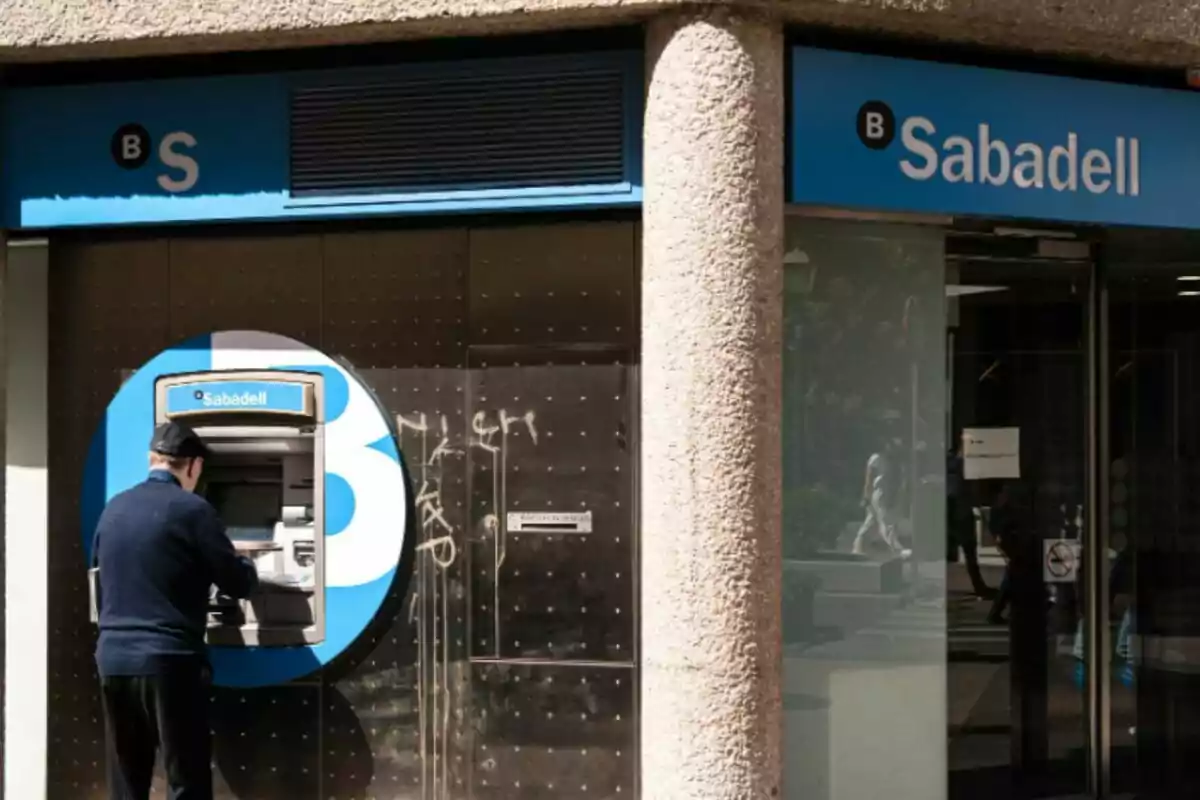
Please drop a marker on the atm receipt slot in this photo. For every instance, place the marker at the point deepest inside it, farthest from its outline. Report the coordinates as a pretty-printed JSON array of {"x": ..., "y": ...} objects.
[{"x": 265, "y": 477}]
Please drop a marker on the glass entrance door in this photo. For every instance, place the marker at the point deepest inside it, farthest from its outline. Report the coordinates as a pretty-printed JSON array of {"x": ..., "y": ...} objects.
[
  {"x": 1046, "y": 618},
  {"x": 1154, "y": 511},
  {"x": 1074, "y": 392},
  {"x": 1018, "y": 349}
]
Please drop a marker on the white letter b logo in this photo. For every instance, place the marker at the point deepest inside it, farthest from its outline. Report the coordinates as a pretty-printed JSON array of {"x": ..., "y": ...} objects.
[
  {"x": 131, "y": 146},
  {"x": 876, "y": 125}
]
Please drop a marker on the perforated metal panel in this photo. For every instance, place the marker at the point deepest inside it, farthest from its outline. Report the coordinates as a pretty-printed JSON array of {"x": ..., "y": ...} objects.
[
  {"x": 267, "y": 743},
  {"x": 554, "y": 731},
  {"x": 430, "y": 411},
  {"x": 396, "y": 298},
  {"x": 528, "y": 123},
  {"x": 107, "y": 310},
  {"x": 408, "y": 712},
  {"x": 554, "y": 288},
  {"x": 553, "y": 439},
  {"x": 247, "y": 283}
]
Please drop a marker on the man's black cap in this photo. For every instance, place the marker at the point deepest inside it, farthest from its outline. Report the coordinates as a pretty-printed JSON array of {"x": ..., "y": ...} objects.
[{"x": 178, "y": 441}]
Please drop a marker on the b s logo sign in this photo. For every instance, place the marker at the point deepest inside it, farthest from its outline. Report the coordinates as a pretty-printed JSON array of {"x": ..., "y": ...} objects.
[
  {"x": 876, "y": 125},
  {"x": 131, "y": 147}
]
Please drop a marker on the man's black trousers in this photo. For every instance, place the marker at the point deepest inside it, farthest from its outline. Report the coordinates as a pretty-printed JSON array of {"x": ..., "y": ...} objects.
[{"x": 166, "y": 713}]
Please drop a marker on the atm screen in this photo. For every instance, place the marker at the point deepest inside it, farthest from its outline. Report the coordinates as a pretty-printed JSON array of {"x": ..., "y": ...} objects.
[{"x": 249, "y": 510}]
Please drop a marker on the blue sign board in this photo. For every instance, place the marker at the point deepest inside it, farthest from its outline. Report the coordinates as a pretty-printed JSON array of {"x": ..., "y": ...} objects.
[
  {"x": 204, "y": 397},
  {"x": 898, "y": 135},
  {"x": 218, "y": 149},
  {"x": 149, "y": 152}
]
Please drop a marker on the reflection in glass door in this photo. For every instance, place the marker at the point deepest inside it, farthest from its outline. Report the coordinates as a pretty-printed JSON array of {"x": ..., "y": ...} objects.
[
  {"x": 1070, "y": 418},
  {"x": 1154, "y": 511},
  {"x": 1017, "y": 487}
]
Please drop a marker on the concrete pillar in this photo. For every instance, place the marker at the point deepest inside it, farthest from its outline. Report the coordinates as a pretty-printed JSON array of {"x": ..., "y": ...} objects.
[{"x": 711, "y": 354}]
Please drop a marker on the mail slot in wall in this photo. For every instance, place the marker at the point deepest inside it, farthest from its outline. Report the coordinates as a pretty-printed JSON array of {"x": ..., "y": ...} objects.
[{"x": 549, "y": 522}]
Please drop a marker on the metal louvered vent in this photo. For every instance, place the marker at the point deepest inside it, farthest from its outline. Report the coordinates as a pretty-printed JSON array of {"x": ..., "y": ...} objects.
[{"x": 465, "y": 127}]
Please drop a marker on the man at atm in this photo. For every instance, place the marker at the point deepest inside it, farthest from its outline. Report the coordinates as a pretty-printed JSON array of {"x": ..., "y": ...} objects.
[{"x": 159, "y": 548}]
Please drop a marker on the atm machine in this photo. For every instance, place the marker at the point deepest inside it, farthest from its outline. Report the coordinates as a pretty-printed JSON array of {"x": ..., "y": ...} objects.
[{"x": 265, "y": 477}]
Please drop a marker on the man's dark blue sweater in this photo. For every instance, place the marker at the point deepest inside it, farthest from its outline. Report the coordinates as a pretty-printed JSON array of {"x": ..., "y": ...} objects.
[{"x": 160, "y": 550}]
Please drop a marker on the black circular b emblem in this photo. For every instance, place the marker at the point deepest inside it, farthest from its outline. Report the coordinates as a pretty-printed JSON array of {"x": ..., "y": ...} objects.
[
  {"x": 876, "y": 125},
  {"x": 199, "y": 394},
  {"x": 130, "y": 146}
]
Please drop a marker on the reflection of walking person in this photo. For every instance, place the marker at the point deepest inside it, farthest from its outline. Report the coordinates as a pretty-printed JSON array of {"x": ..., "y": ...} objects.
[
  {"x": 879, "y": 486},
  {"x": 1006, "y": 529}
]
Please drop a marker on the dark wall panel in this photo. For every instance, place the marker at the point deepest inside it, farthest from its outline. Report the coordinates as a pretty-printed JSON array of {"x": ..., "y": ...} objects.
[
  {"x": 456, "y": 331},
  {"x": 271, "y": 284},
  {"x": 396, "y": 299},
  {"x": 108, "y": 311}
]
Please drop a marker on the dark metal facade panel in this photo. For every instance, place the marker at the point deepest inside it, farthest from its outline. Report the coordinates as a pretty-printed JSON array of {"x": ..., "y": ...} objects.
[
  {"x": 570, "y": 284},
  {"x": 460, "y": 127},
  {"x": 396, "y": 299},
  {"x": 553, "y": 439},
  {"x": 409, "y": 693},
  {"x": 267, "y": 742},
  {"x": 408, "y": 712},
  {"x": 241, "y": 283},
  {"x": 107, "y": 310},
  {"x": 554, "y": 731}
]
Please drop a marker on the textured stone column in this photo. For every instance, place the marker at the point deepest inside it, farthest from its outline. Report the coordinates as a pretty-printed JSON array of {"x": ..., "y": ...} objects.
[{"x": 711, "y": 355}]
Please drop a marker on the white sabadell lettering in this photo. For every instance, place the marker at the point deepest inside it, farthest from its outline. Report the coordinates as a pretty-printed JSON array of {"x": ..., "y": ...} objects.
[
  {"x": 988, "y": 159},
  {"x": 1096, "y": 169},
  {"x": 1134, "y": 165},
  {"x": 1057, "y": 154},
  {"x": 959, "y": 164},
  {"x": 1030, "y": 171},
  {"x": 915, "y": 145},
  {"x": 224, "y": 399},
  {"x": 987, "y": 147},
  {"x": 1120, "y": 165}
]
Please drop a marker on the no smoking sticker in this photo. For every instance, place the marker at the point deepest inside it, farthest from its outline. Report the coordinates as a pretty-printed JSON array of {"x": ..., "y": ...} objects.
[{"x": 1060, "y": 561}]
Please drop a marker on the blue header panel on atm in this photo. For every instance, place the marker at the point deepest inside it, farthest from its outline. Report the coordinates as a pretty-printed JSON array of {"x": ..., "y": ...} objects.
[
  {"x": 898, "y": 135},
  {"x": 311, "y": 144}
]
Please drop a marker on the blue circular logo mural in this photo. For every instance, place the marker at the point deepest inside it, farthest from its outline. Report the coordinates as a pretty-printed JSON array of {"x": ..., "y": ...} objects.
[{"x": 368, "y": 498}]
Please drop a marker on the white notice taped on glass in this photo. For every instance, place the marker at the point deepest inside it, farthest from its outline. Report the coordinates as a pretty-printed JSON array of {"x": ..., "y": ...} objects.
[{"x": 991, "y": 453}]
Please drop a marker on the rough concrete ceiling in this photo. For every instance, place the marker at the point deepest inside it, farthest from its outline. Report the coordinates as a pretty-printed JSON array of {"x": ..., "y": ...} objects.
[{"x": 1160, "y": 33}]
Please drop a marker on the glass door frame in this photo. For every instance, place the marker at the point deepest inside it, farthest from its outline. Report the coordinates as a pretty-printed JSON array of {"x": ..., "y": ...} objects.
[{"x": 1097, "y": 530}]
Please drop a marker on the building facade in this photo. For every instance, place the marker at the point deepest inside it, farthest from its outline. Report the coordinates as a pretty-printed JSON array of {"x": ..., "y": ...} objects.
[{"x": 687, "y": 381}]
